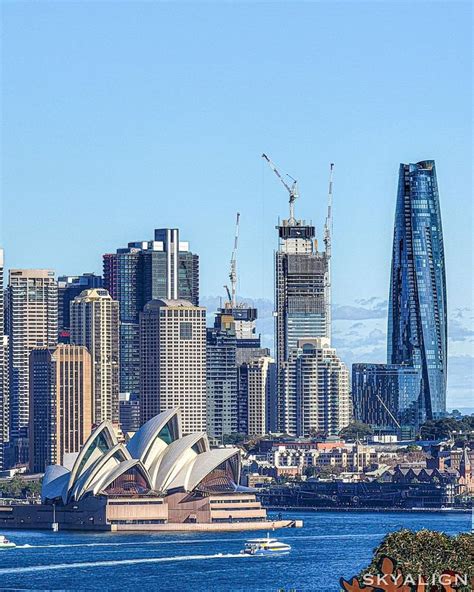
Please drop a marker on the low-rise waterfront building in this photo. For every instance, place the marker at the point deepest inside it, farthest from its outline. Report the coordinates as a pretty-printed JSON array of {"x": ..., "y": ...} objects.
[{"x": 159, "y": 480}]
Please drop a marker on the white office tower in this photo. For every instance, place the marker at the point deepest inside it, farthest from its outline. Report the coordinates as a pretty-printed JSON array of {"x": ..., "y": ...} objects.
[
  {"x": 32, "y": 322},
  {"x": 315, "y": 386},
  {"x": 95, "y": 324},
  {"x": 173, "y": 361}
]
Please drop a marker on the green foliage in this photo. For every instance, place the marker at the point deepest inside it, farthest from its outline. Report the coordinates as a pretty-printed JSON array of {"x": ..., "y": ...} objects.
[
  {"x": 19, "y": 488},
  {"x": 234, "y": 439},
  {"x": 426, "y": 553},
  {"x": 323, "y": 471},
  {"x": 356, "y": 429},
  {"x": 436, "y": 429}
]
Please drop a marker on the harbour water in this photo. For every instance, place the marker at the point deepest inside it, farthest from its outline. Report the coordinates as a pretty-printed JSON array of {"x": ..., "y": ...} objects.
[{"x": 329, "y": 546}]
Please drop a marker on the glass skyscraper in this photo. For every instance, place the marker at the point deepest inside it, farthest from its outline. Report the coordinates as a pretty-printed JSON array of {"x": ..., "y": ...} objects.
[
  {"x": 141, "y": 272},
  {"x": 386, "y": 396},
  {"x": 417, "y": 323}
]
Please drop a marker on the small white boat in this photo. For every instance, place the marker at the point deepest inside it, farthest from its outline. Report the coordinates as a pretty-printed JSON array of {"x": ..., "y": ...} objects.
[
  {"x": 5, "y": 543},
  {"x": 266, "y": 546}
]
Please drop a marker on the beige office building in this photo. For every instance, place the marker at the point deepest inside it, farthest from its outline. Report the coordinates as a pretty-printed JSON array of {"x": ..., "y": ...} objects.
[
  {"x": 95, "y": 324},
  {"x": 60, "y": 403},
  {"x": 32, "y": 322},
  {"x": 173, "y": 361}
]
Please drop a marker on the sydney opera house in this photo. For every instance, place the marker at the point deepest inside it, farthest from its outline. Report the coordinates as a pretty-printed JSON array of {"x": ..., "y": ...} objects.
[{"x": 158, "y": 480}]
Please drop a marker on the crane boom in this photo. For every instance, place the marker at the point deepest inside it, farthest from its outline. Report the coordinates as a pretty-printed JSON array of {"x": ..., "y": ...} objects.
[
  {"x": 233, "y": 266},
  {"x": 328, "y": 223},
  {"x": 293, "y": 190}
]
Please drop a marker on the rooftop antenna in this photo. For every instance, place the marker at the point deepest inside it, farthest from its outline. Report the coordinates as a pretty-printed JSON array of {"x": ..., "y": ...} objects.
[{"x": 293, "y": 190}]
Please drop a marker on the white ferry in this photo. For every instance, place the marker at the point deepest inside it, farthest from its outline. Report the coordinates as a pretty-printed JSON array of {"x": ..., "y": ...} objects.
[
  {"x": 266, "y": 546},
  {"x": 5, "y": 543}
]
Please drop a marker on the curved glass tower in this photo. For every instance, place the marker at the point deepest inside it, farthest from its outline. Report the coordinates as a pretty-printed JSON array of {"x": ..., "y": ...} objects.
[{"x": 417, "y": 323}]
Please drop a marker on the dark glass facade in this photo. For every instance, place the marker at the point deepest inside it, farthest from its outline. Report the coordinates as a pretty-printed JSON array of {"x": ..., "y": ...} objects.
[
  {"x": 386, "y": 396},
  {"x": 417, "y": 323},
  {"x": 139, "y": 273},
  {"x": 221, "y": 383},
  {"x": 231, "y": 343},
  {"x": 70, "y": 286}
]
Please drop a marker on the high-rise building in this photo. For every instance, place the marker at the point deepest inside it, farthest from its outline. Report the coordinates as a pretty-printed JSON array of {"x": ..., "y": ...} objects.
[
  {"x": 386, "y": 396},
  {"x": 95, "y": 324},
  {"x": 230, "y": 343},
  {"x": 173, "y": 361},
  {"x": 4, "y": 419},
  {"x": 32, "y": 322},
  {"x": 256, "y": 386},
  {"x": 144, "y": 271},
  {"x": 70, "y": 286},
  {"x": 302, "y": 292},
  {"x": 417, "y": 321},
  {"x": 302, "y": 288},
  {"x": 222, "y": 383},
  {"x": 129, "y": 412},
  {"x": 60, "y": 404},
  {"x": 316, "y": 387},
  {"x": 121, "y": 280}
]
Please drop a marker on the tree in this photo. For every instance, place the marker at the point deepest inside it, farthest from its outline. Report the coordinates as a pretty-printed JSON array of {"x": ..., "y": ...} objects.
[
  {"x": 426, "y": 554},
  {"x": 446, "y": 427},
  {"x": 356, "y": 429},
  {"x": 13, "y": 488},
  {"x": 234, "y": 439},
  {"x": 19, "y": 488}
]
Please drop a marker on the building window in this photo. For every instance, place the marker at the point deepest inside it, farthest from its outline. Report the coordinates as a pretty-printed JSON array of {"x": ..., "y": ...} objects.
[{"x": 186, "y": 330}]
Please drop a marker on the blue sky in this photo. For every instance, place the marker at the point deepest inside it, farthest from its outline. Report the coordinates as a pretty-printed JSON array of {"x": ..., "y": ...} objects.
[{"x": 119, "y": 117}]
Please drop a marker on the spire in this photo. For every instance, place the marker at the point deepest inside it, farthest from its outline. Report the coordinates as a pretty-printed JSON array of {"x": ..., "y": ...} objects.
[{"x": 465, "y": 464}]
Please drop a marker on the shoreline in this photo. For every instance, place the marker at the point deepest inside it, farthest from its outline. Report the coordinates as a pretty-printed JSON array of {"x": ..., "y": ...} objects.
[{"x": 367, "y": 510}]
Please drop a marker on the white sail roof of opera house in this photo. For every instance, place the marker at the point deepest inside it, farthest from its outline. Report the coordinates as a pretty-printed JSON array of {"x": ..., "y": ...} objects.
[{"x": 157, "y": 460}]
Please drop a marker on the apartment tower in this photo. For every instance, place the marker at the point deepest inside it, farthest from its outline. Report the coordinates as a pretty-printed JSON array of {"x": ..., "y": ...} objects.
[
  {"x": 32, "y": 322},
  {"x": 70, "y": 286},
  {"x": 95, "y": 325},
  {"x": 316, "y": 387}
]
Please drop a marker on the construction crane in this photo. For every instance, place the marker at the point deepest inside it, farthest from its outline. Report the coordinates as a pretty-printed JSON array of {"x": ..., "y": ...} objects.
[
  {"x": 327, "y": 244},
  {"x": 328, "y": 223},
  {"x": 232, "y": 293},
  {"x": 293, "y": 190}
]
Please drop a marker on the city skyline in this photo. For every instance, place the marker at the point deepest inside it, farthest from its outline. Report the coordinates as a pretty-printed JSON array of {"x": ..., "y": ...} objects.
[{"x": 114, "y": 152}]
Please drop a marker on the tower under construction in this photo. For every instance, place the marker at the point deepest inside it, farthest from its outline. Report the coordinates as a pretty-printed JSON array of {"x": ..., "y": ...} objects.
[{"x": 302, "y": 283}]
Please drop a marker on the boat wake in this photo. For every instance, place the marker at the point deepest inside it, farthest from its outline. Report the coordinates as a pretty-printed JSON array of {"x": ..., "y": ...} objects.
[
  {"x": 121, "y": 544},
  {"x": 89, "y": 564}
]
